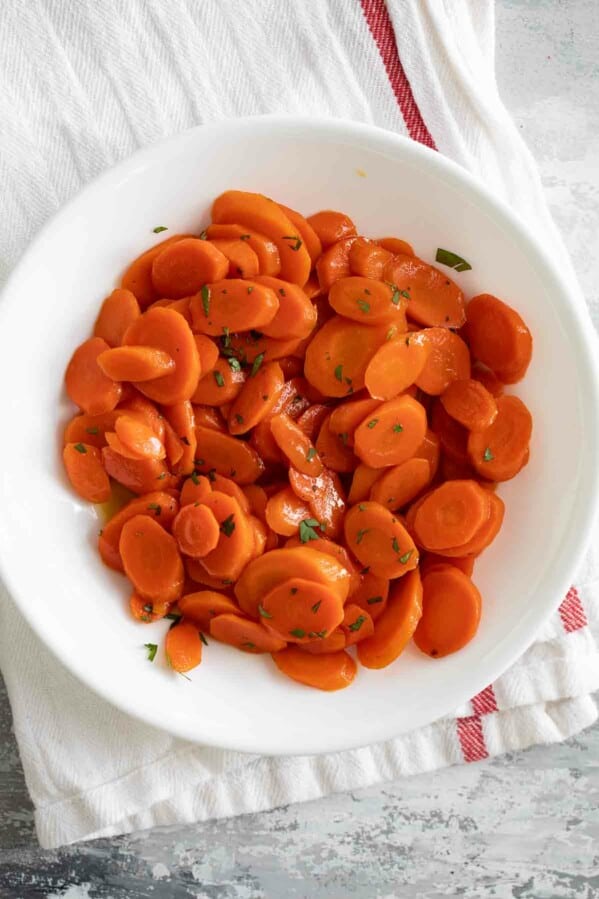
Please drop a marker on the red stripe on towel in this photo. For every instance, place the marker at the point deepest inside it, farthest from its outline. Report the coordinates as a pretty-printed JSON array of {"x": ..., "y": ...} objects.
[
  {"x": 377, "y": 17},
  {"x": 484, "y": 702},
  {"x": 571, "y": 612},
  {"x": 472, "y": 740}
]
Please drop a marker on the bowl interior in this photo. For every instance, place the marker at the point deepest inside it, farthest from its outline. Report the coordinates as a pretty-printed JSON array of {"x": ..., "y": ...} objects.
[{"x": 47, "y": 537}]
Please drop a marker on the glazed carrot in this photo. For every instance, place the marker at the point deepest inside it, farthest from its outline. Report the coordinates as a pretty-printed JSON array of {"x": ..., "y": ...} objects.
[
  {"x": 498, "y": 337},
  {"x": 83, "y": 464},
  {"x": 249, "y": 636},
  {"x": 500, "y": 451},
  {"x": 338, "y": 552},
  {"x": 294, "y": 397},
  {"x": 371, "y": 594},
  {"x": 115, "y": 443},
  {"x": 255, "y": 211},
  {"x": 357, "y": 624},
  {"x": 243, "y": 261},
  {"x": 260, "y": 533},
  {"x": 312, "y": 289},
  {"x": 269, "y": 260},
  {"x": 451, "y": 515},
  {"x": 236, "y": 541},
  {"x": 368, "y": 259},
  {"x": 363, "y": 479},
  {"x": 325, "y": 497},
  {"x": 379, "y": 540},
  {"x": 196, "y": 530},
  {"x": 330, "y": 226},
  {"x": 221, "y": 385},
  {"x": 118, "y": 311},
  {"x": 329, "y": 671},
  {"x": 145, "y": 410},
  {"x": 138, "y": 438},
  {"x": 285, "y": 512},
  {"x": 397, "y": 624},
  {"x": 181, "y": 417},
  {"x": 291, "y": 366},
  {"x": 257, "y": 500},
  {"x": 333, "y": 451},
  {"x": 209, "y": 417},
  {"x": 451, "y": 608},
  {"x": 151, "y": 559},
  {"x": 197, "y": 573},
  {"x": 298, "y": 448},
  {"x": 452, "y": 436},
  {"x": 310, "y": 421},
  {"x": 448, "y": 360},
  {"x": 195, "y": 489},
  {"x": 227, "y": 456},
  {"x": 484, "y": 535},
  {"x": 157, "y": 504},
  {"x": 368, "y": 301},
  {"x": 296, "y": 316},
  {"x": 145, "y": 610},
  {"x": 138, "y": 277},
  {"x": 168, "y": 331},
  {"x": 487, "y": 379},
  {"x": 201, "y": 607},
  {"x": 226, "y": 485},
  {"x": 233, "y": 304},
  {"x": 435, "y": 300},
  {"x": 396, "y": 246},
  {"x": 339, "y": 353},
  {"x": 397, "y": 364},
  {"x": 306, "y": 232},
  {"x": 470, "y": 403},
  {"x": 333, "y": 643},
  {"x": 183, "y": 647},
  {"x": 90, "y": 429},
  {"x": 138, "y": 475},
  {"x": 172, "y": 444},
  {"x": 264, "y": 573},
  {"x": 454, "y": 470},
  {"x": 247, "y": 347},
  {"x": 256, "y": 398},
  {"x": 265, "y": 445},
  {"x": 184, "y": 267},
  {"x": 334, "y": 263},
  {"x": 393, "y": 434},
  {"x": 432, "y": 560},
  {"x": 207, "y": 351},
  {"x": 182, "y": 306},
  {"x": 430, "y": 449},
  {"x": 87, "y": 385},
  {"x": 135, "y": 363},
  {"x": 399, "y": 485},
  {"x": 299, "y": 611}
]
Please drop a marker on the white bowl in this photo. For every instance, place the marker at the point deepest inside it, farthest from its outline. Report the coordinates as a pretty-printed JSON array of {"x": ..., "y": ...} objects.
[{"x": 390, "y": 186}]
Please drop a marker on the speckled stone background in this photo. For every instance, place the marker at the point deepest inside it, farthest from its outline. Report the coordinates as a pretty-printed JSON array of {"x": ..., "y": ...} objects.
[{"x": 524, "y": 825}]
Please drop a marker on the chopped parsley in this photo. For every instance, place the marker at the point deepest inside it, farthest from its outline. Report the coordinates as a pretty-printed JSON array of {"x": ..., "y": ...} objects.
[
  {"x": 194, "y": 477},
  {"x": 397, "y": 429},
  {"x": 361, "y": 534},
  {"x": 228, "y": 525},
  {"x": 234, "y": 363},
  {"x": 203, "y": 639},
  {"x": 310, "y": 454},
  {"x": 374, "y": 599},
  {"x": 297, "y": 242},
  {"x": 155, "y": 508},
  {"x": 488, "y": 455},
  {"x": 159, "y": 228},
  {"x": 205, "y": 294},
  {"x": 372, "y": 423},
  {"x": 361, "y": 507},
  {"x": 220, "y": 381},
  {"x": 357, "y": 624},
  {"x": 363, "y": 306},
  {"x": 316, "y": 606},
  {"x": 256, "y": 365},
  {"x": 263, "y": 612},
  {"x": 298, "y": 632},
  {"x": 238, "y": 418},
  {"x": 80, "y": 448},
  {"x": 338, "y": 372},
  {"x": 344, "y": 437},
  {"x": 93, "y": 430},
  {"x": 306, "y": 529},
  {"x": 152, "y": 650},
  {"x": 446, "y": 257}
]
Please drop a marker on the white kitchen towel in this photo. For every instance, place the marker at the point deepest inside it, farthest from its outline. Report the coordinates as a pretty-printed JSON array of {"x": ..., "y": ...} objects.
[{"x": 85, "y": 84}]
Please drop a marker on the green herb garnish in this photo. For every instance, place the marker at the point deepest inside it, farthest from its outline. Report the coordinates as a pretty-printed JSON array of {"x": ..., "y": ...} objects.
[
  {"x": 372, "y": 423},
  {"x": 446, "y": 257},
  {"x": 220, "y": 381},
  {"x": 80, "y": 448},
  {"x": 306, "y": 529},
  {"x": 316, "y": 606},
  {"x": 363, "y": 306},
  {"x": 205, "y": 294},
  {"x": 159, "y": 229},
  {"x": 256, "y": 365},
  {"x": 397, "y": 429},
  {"x": 361, "y": 534},
  {"x": 297, "y": 632},
  {"x": 338, "y": 372},
  {"x": 155, "y": 508},
  {"x": 357, "y": 624},
  {"x": 263, "y": 612},
  {"x": 374, "y": 599},
  {"x": 93, "y": 430},
  {"x": 310, "y": 454},
  {"x": 234, "y": 363},
  {"x": 152, "y": 650},
  {"x": 488, "y": 455},
  {"x": 228, "y": 525}
]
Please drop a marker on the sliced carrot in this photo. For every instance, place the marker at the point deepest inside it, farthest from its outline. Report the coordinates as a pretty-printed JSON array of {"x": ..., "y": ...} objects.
[
  {"x": 331, "y": 226},
  {"x": 451, "y": 609},
  {"x": 312, "y": 288},
  {"x": 435, "y": 300},
  {"x": 269, "y": 260},
  {"x": 363, "y": 479},
  {"x": 256, "y": 398},
  {"x": 260, "y": 533},
  {"x": 142, "y": 408},
  {"x": 293, "y": 398},
  {"x": 333, "y": 643},
  {"x": 430, "y": 449},
  {"x": 296, "y": 316},
  {"x": 333, "y": 452},
  {"x": 397, "y": 364},
  {"x": 393, "y": 434},
  {"x": 470, "y": 403},
  {"x": 232, "y": 458},
  {"x": 339, "y": 353},
  {"x": 500, "y": 451},
  {"x": 207, "y": 351},
  {"x": 195, "y": 489},
  {"x": 396, "y": 246},
  {"x": 262, "y": 214},
  {"x": 118, "y": 311},
  {"x": 448, "y": 360},
  {"x": 181, "y": 418},
  {"x": 379, "y": 540},
  {"x": 196, "y": 530},
  {"x": 87, "y": 385},
  {"x": 157, "y": 504},
  {"x": 243, "y": 261},
  {"x": 368, "y": 301},
  {"x": 294, "y": 444},
  {"x": 172, "y": 444},
  {"x": 226, "y": 485},
  {"x": 197, "y": 573},
  {"x": 247, "y": 347},
  {"x": 151, "y": 559},
  {"x": 85, "y": 471},
  {"x": 233, "y": 304},
  {"x": 249, "y": 636},
  {"x": 90, "y": 429},
  {"x": 291, "y": 366},
  {"x": 115, "y": 443},
  {"x": 357, "y": 624},
  {"x": 236, "y": 541},
  {"x": 145, "y": 610},
  {"x": 397, "y": 624},
  {"x": 454, "y": 470},
  {"x": 265, "y": 445},
  {"x": 371, "y": 594},
  {"x": 209, "y": 417},
  {"x": 138, "y": 277},
  {"x": 221, "y": 385},
  {"x": 499, "y": 337},
  {"x": 338, "y": 552},
  {"x": 138, "y": 438},
  {"x": 453, "y": 436},
  {"x": 135, "y": 363},
  {"x": 433, "y": 560},
  {"x": 368, "y": 259},
  {"x": 184, "y": 267},
  {"x": 325, "y": 497},
  {"x": 451, "y": 515},
  {"x": 484, "y": 536},
  {"x": 334, "y": 263},
  {"x": 257, "y": 499},
  {"x": 204, "y": 605},
  {"x": 487, "y": 379},
  {"x": 168, "y": 331},
  {"x": 306, "y": 232},
  {"x": 182, "y": 306},
  {"x": 285, "y": 511},
  {"x": 399, "y": 485},
  {"x": 183, "y": 647},
  {"x": 328, "y": 671},
  {"x": 299, "y": 611},
  {"x": 138, "y": 475}
]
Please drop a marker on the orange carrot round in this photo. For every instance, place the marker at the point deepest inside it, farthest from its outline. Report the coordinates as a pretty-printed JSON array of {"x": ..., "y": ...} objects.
[
  {"x": 393, "y": 434},
  {"x": 298, "y": 448},
  {"x": 435, "y": 300},
  {"x": 498, "y": 337},
  {"x": 232, "y": 458},
  {"x": 325, "y": 497},
  {"x": 339, "y": 353},
  {"x": 221, "y": 385},
  {"x": 451, "y": 609},
  {"x": 269, "y": 260},
  {"x": 329, "y": 671},
  {"x": 299, "y": 611},
  {"x": 397, "y": 624},
  {"x": 249, "y": 636},
  {"x": 397, "y": 364},
  {"x": 183, "y": 647},
  {"x": 400, "y": 484},
  {"x": 157, "y": 504},
  {"x": 499, "y": 451},
  {"x": 470, "y": 403},
  {"x": 243, "y": 261},
  {"x": 87, "y": 385},
  {"x": 451, "y": 515},
  {"x": 256, "y": 398},
  {"x": 138, "y": 277},
  {"x": 135, "y": 363},
  {"x": 331, "y": 226},
  {"x": 138, "y": 475},
  {"x": 334, "y": 263},
  {"x": 333, "y": 450},
  {"x": 195, "y": 489},
  {"x": 207, "y": 351},
  {"x": 396, "y": 246},
  {"x": 447, "y": 361},
  {"x": 85, "y": 471},
  {"x": 368, "y": 301},
  {"x": 90, "y": 429},
  {"x": 285, "y": 512},
  {"x": 367, "y": 258},
  {"x": 379, "y": 540},
  {"x": 196, "y": 530},
  {"x": 357, "y": 624},
  {"x": 145, "y": 610},
  {"x": 182, "y": 268},
  {"x": 295, "y": 317},
  {"x": 204, "y": 605},
  {"x": 151, "y": 559},
  {"x": 118, "y": 311},
  {"x": 234, "y": 304},
  {"x": 138, "y": 438},
  {"x": 235, "y": 545}
]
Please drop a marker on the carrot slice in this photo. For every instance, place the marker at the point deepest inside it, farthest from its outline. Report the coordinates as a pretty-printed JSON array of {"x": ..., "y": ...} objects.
[
  {"x": 138, "y": 475},
  {"x": 195, "y": 489},
  {"x": 115, "y": 443},
  {"x": 204, "y": 605},
  {"x": 90, "y": 429},
  {"x": 433, "y": 560},
  {"x": 329, "y": 671},
  {"x": 451, "y": 515},
  {"x": 296, "y": 316},
  {"x": 181, "y": 268},
  {"x": 249, "y": 346},
  {"x": 135, "y": 363},
  {"x": 487, "y": 379},
  {"x": 197, "y": 573},
  {"x": 371, "y": 594},
  {"x": 138, "y": 277},
  {"x": 393, "y": 434},
  {"x": 221, "y": 385},
  {"x": 312, "y": 419},
  {"x": 334, "y": 263},
  {"x": 450, "y": 612},
  {"x": 500, "y": 451},
  {"x": 331, "y": 226},
  {"x": 142, "y": 408},
  {"x": 181, "y": 418},
  {"x": 396, "y": 246},
  {"x": 397, "y": 364},
  {"x": 484, "y": 535},
  {"x": 172, "y": 445},
  {"x": 324, "y": 495},
  {"x": 338, "y": 552},
  {"x": 401, "y": 484},
  {"x": 435, "y": 300},
  {"x": 332, "y": 450},
  {"x": 430, "y": 449},
  {"x": 249, "y": 636},
  {"x": 168, "y": 331},
  {"x": 368, "y": 301},
  {"x": 236, "y": 541},
  {"x": 118, "y": 311},
  {"x": 146, "y": 611},
  {"x": 232, "y": 458},
  {"x": 87, "y": 385},
  {"x": 243, "y": 261},
  {"x": 157, "y": 504},
  {"x": 339, "y": 353},
  {"x": 207, "y": 351},
  {"x": 298, "y": 448},
  {"x": 363, "y": 479},
  {"x": 226, "y": 485},
  {"x": 299, "y": 611},
  {"x": 196, "y": 530},
  {"x": 181, "y": 306},
  {"x": 470, "y": 403},
  {"x": 367, "y": 258},
  {"x": 357, "y": 624},
  {"x": 499, "y": 337},
  {"x": 305, "y": 230},
  {"x": 183, "y": 647},
  {"x": 262, "y": 214},
  {"x": 269, "y": 260},
  {"x": 232, "y": 304},
  {"x": 138, "y": 438},
  {"x": 333, "y": 643},
  {"x": 452, "y": 436},
  {"x": 85, "y": 471},
  {"x": 294, "y": 397},
  {"x": 151, "y": 559},
  {"x": 285, "y": 511},
  {"x": 256, "y": 399},
  {"x": 448, "y": 360},
  {"x": 257, "y": 499},
  {"x": 397, "y": 624},
  {"x": 209, "y": 417},
  {"x": 379, "y": 540}
]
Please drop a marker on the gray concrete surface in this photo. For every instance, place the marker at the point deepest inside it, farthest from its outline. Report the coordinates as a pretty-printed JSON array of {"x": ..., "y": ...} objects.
[{"x": 524, "y": 825}]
